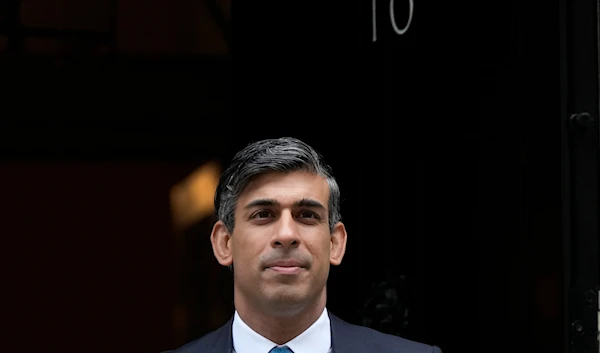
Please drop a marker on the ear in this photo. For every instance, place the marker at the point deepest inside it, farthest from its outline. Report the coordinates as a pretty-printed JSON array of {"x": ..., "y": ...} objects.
[
  {"x": 338, "y": 244},
  {"x": 221, "y": 244}
]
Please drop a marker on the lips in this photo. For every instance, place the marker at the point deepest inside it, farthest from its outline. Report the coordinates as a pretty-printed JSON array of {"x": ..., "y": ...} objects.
[
  {"x": 285, "y": 266},
  {"x": 285, "y": 263}
]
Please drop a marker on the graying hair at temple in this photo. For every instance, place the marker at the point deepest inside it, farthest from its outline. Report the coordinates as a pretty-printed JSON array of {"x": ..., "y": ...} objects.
[{"x": 271, "y": 155}]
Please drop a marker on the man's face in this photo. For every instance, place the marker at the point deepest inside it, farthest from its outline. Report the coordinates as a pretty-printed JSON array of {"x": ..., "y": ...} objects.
[{"x": 281, "y": 246}]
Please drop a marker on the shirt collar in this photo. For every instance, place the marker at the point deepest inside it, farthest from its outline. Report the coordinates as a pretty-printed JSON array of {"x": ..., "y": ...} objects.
[{"x": 315, "y": 339}]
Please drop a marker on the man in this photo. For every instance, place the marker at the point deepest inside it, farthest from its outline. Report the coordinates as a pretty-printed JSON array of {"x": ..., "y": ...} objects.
[{"x": 279, "y": 228}]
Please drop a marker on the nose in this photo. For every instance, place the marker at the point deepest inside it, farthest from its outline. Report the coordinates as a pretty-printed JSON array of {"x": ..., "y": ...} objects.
[{"x": 286, "y": 234}]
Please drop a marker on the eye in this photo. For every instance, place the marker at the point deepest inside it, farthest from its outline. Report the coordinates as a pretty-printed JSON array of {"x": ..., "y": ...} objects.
[
  {"x": 262, "y": 214},
  {"x": 308, "y": 214}
]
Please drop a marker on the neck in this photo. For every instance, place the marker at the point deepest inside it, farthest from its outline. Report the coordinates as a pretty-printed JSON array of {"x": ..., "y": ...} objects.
[{"x": 280, "y": 327}]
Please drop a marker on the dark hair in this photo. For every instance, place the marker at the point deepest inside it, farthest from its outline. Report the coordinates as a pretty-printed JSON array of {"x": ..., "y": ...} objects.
[{"x": 285, "y": 155}]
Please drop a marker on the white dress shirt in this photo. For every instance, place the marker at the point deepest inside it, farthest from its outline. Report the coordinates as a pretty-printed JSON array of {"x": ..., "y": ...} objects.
[{"x": 315, "y": 339}]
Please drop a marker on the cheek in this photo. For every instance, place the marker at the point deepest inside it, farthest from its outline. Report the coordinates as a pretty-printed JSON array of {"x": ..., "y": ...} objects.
[
  {"x": 245, "y": 250},
  {"x": 320, "y": 249},
  {"x": 244, "y": 262}
]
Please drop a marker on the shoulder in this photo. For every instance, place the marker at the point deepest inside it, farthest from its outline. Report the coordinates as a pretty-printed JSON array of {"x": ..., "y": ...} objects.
[
  {"x": 353, "y": 336},
  {"x": 200, "y": 345},
  {"x": 215, "y": 341}
]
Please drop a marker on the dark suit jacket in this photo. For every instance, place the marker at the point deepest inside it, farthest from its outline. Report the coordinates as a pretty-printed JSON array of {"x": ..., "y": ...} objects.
[{"x": 345, "y": 338}]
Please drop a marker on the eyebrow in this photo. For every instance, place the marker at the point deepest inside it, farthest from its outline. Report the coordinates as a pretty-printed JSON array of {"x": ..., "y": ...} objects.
[{"x": 272, "y": 202}]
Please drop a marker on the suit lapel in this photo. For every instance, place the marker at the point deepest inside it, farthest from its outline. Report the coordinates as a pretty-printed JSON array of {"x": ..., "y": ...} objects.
[
  {"x": 342, "y": 340},
  {"x": 224, "y": 341}
]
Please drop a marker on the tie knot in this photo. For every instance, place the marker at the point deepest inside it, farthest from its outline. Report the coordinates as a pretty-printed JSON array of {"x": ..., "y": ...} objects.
[{"x": 284, "y": 349}]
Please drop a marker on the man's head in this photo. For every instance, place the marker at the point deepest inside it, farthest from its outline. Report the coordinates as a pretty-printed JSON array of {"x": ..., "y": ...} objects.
[
  {"x": 272, "y": 155},
  {"x": 279, "y": 226}
]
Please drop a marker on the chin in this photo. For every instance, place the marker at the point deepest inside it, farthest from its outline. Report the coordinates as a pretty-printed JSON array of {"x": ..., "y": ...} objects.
[
  {"x": 288, "y": 295},
  {"x": 291, "y": 300}
]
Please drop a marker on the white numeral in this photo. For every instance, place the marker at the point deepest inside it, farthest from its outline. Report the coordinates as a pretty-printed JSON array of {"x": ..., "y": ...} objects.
[{"x": 399, "y": 31}]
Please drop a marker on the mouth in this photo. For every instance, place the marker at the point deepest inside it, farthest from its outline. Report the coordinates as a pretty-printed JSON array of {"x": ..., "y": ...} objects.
[
  {"x": 288, "y": 267},
  {"x": 286, "y": 270}
]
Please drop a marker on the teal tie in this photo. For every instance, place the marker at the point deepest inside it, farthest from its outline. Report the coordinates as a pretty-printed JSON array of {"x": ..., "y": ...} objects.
[{"x": 284, "y": 349}]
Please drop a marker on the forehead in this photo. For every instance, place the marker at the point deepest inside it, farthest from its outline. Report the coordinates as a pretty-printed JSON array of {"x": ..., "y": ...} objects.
[{"x": 286, "y": 187}]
